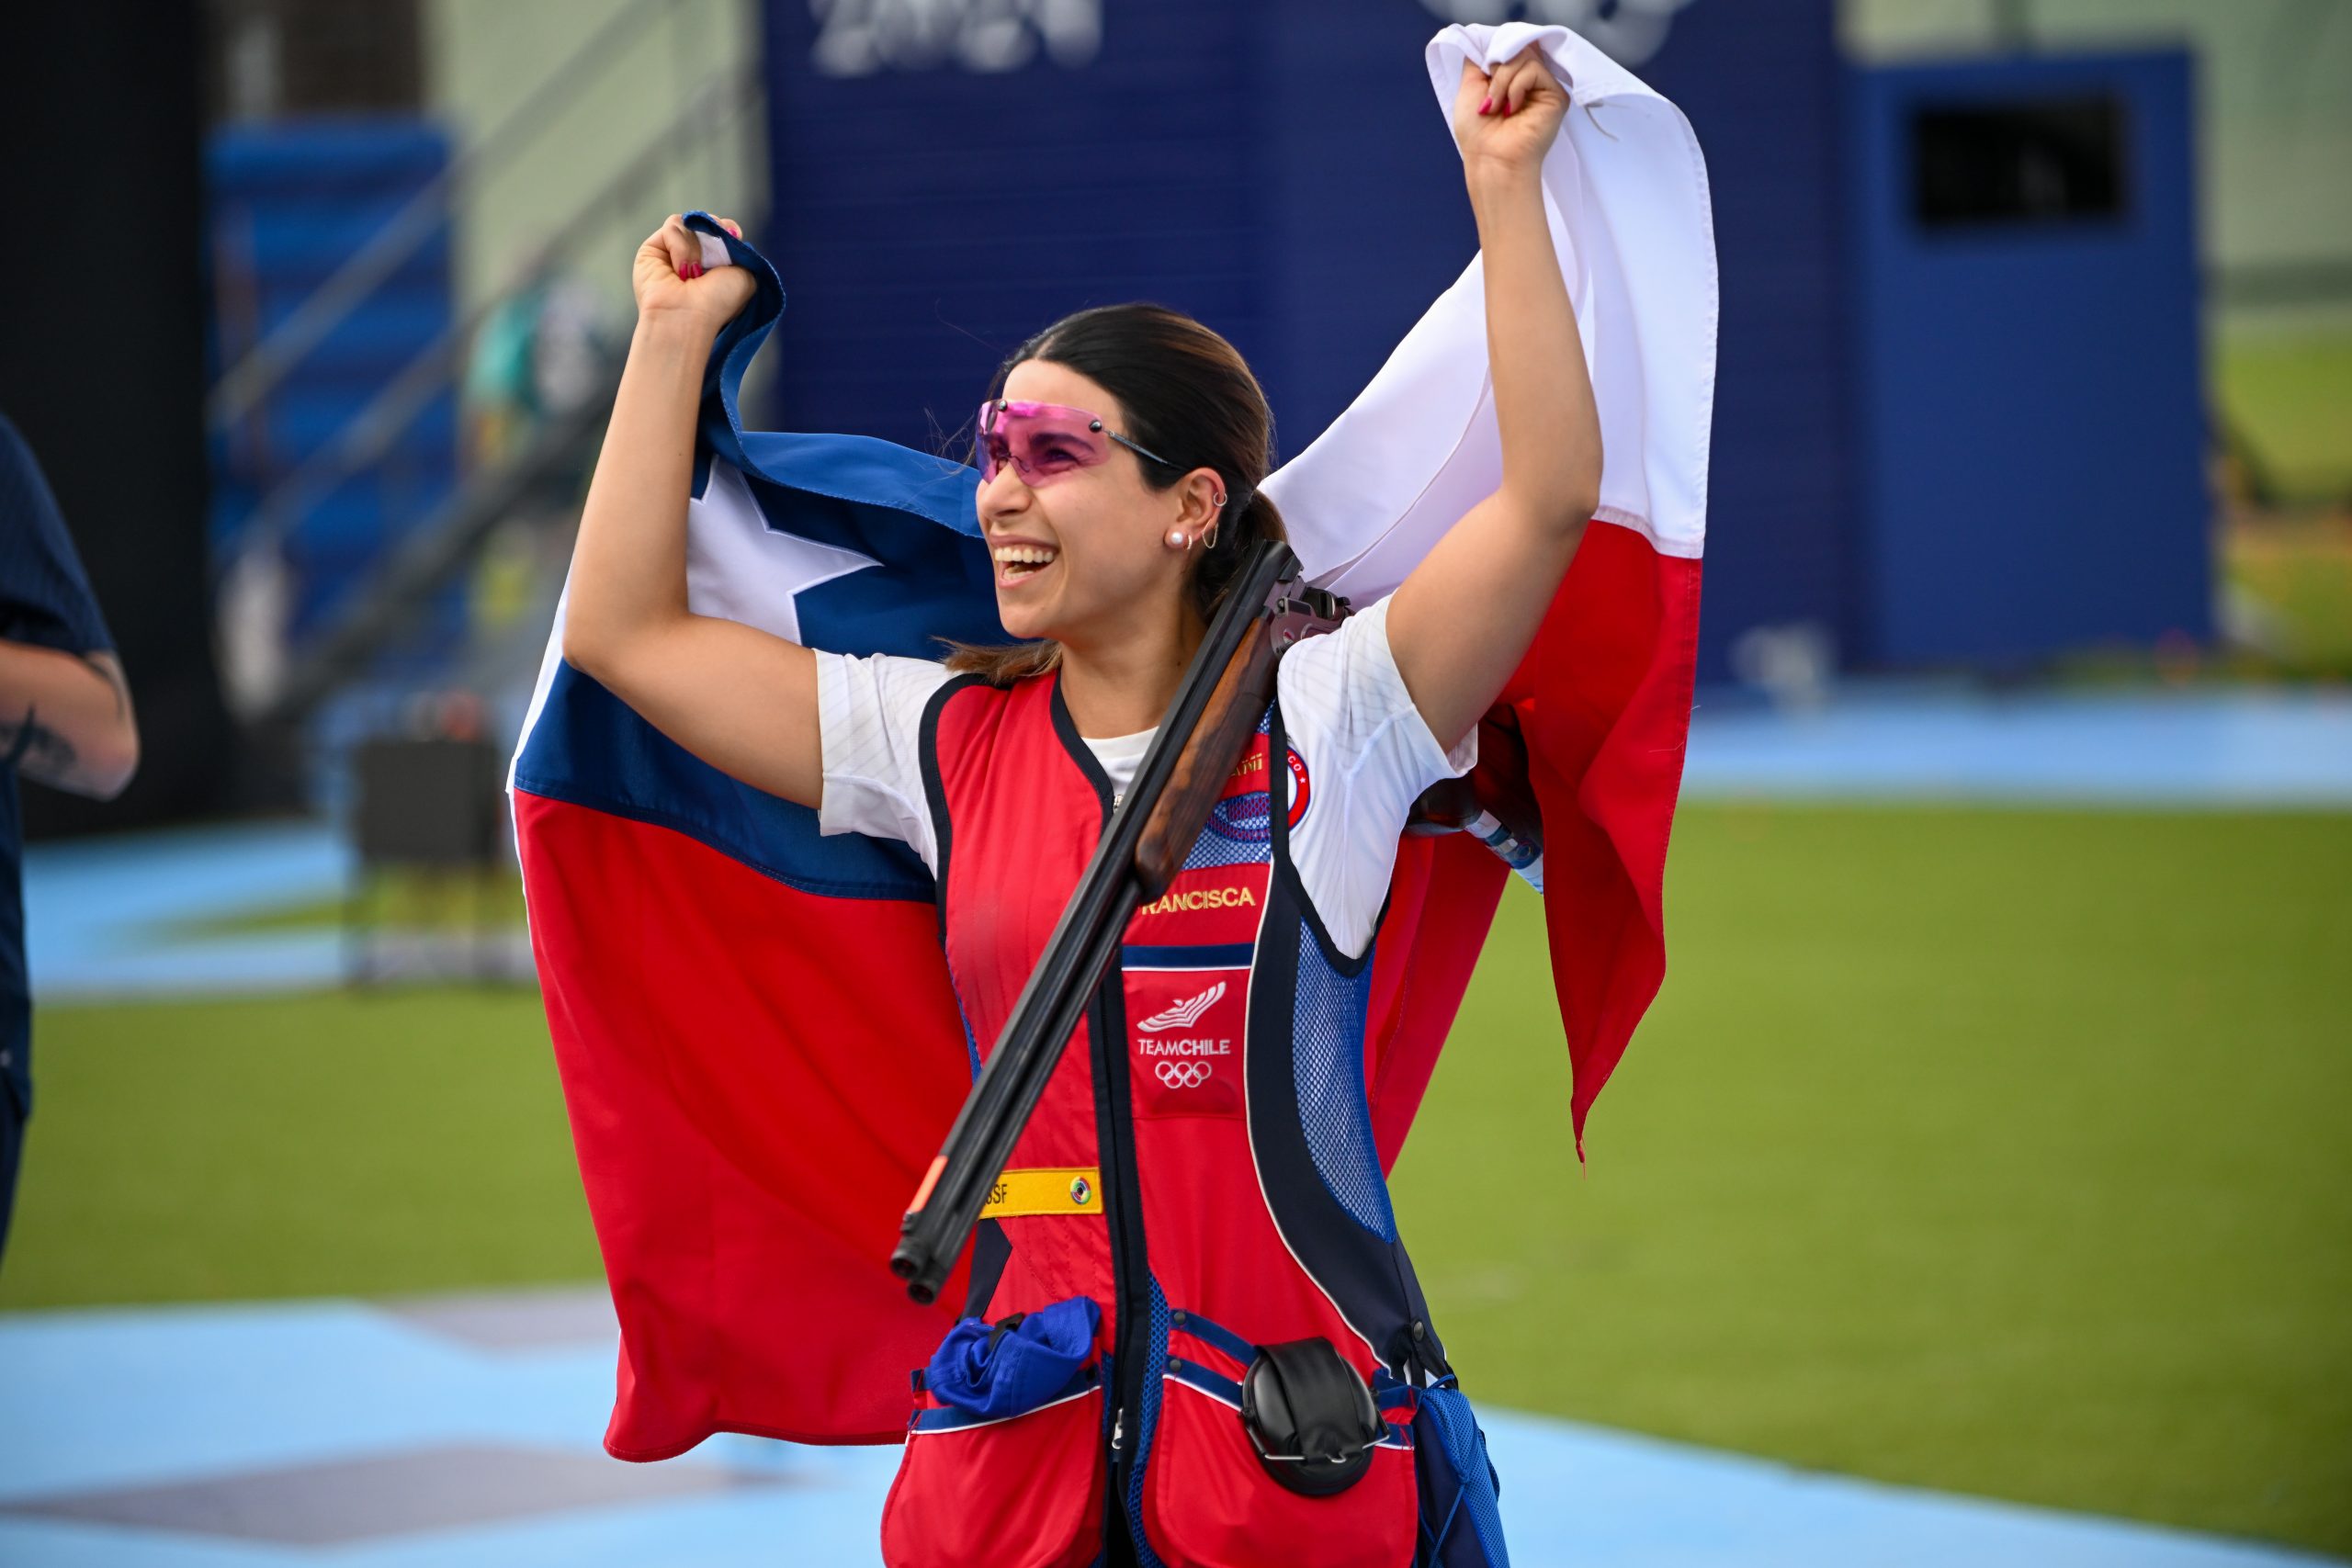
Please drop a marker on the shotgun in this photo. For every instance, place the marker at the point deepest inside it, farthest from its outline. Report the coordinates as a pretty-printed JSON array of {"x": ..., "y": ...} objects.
[{"x": 1200, "y": 741}]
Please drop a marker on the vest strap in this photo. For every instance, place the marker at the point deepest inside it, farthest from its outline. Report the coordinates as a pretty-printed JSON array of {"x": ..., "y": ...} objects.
[{"x": 1071, "y": 1190}]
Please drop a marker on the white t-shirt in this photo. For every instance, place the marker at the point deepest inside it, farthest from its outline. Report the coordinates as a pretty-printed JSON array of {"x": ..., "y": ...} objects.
[
  {"x": 1368, "y": 752},
  {"x": 1121, "y": 755}
]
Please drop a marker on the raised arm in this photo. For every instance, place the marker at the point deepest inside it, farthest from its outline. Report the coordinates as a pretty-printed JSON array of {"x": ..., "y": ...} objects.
[
  {"x": 742, "y": 699},
  {"x": 1462, "y": 621}
]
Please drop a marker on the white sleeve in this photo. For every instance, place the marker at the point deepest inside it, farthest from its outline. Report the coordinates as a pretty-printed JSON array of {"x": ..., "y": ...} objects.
[
  {"x": 869, "y": 723},
  {"x": 1367, "y": 754}
]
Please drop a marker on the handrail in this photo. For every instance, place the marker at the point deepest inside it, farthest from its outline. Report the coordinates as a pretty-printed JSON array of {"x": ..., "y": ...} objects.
[
  {"x": 253, "y": 378},
  {"x": 369, "y": 434},
  {"x": 424, "y": 560}
]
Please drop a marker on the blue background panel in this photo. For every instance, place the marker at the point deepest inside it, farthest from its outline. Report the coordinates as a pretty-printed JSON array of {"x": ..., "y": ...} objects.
[
  {"x": 1278, "y": 168},
  {"x": 1761, "y": 83},
  {"x": 1879, "y": 386},
  {"x": 1309, "y": 216},
  {"x": 2033, "y": 426}
]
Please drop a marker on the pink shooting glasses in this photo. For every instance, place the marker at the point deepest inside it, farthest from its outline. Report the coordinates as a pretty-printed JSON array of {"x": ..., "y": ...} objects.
[{"x": 1045, "y": 441}]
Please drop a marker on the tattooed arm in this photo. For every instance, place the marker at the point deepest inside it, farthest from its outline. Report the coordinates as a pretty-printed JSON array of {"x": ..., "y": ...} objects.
[{"x": 65, "y": 719}]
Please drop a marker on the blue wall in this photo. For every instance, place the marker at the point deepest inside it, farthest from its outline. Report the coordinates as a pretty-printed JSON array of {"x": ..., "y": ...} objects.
[
  {"x": 1761, "y": 81},
  {"x": 926, "y": 220},
  {"x": 1277, "y": 167}
]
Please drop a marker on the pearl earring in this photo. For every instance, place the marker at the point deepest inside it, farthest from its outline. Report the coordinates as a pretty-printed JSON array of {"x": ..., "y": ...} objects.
[{"x": 1176, "y": 539}]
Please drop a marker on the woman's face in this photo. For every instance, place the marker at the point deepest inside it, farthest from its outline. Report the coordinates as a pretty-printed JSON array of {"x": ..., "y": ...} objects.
[{"x": 1101, "y": 531}]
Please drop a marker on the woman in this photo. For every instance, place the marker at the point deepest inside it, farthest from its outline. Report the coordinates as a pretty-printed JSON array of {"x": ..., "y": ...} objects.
[{"x": 1197, "y": 1340}]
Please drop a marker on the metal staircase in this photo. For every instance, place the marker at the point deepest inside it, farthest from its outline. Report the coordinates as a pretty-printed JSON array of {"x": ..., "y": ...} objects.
[{"x": 541, "y": 474}]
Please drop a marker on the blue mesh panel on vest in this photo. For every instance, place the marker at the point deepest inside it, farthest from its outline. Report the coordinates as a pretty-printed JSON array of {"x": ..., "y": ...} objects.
[
  {"x": 1327, "y": 1060},
  {"x": 1239, "y": 831},
  {"x": 1465, "y": 1451},
  {"x": 1155, "y": 1368}
]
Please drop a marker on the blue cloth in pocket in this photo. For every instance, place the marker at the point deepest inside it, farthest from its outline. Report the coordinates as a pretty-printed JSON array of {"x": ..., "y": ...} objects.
[
  {"x": 991, "y": 1369},
  {"x": 1462, "y": 1523}
]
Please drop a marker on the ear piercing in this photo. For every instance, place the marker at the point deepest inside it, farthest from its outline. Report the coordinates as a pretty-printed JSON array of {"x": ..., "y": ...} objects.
[{"x": 1179, "y": 540}]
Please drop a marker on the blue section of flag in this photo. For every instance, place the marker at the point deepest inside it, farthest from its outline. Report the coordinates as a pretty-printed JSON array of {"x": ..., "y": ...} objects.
[
  {"x": 910, "y": 513},
  {"x": 590, "y": 748}
]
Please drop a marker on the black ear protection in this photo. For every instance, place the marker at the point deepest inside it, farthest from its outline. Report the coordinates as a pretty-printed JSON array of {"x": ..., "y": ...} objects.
[{"x": 1310, "y": 1417}]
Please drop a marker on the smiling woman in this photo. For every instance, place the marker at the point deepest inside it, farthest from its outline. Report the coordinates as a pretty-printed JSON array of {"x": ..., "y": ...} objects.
[{"x": 1265, "y": 1386}]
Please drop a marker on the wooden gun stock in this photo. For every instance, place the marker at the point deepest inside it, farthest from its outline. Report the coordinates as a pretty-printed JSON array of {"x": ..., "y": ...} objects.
[{"x": 1235, "y": 706}]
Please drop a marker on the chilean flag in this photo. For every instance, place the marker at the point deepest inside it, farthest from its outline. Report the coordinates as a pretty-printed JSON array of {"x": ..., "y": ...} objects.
[{"x": 759, "y": 1045}]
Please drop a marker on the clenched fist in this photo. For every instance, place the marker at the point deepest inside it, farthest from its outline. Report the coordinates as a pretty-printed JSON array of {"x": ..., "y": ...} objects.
[
  {"x": 1507, "y": 121},
  {"x": 670, "y": 280}
]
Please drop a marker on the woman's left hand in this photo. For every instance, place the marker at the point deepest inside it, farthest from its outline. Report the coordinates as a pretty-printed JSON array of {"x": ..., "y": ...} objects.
[{"x": 1507, "y": 120}]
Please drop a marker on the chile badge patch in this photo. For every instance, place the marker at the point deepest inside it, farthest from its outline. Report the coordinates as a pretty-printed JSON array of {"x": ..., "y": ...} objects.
[{"x": 1300, "y": 791}]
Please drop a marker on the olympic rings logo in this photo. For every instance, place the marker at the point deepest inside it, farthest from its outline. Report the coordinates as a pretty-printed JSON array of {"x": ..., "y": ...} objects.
[{"x": 1185, "y": 1074}]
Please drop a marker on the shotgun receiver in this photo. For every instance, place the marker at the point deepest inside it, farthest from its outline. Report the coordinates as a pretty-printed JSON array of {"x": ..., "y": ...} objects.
[{"x": 1200, "y": 741}]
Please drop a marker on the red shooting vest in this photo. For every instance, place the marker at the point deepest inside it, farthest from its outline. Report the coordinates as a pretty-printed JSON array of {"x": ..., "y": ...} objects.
[{"x": 1203, "y": 1164}]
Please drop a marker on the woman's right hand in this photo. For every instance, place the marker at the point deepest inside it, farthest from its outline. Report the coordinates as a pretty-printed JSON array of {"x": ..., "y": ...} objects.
[
  {"x": 740, "y": 698},
  {"x": 670, "y": 281}
]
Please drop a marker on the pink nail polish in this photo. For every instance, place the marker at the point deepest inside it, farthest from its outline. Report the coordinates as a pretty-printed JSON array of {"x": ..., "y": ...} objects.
[{"x": 1486, "y": 106}]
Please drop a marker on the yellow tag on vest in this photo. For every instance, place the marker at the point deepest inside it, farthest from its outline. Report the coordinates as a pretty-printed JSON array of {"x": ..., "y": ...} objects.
[{"x": 1018, "y": 1193}]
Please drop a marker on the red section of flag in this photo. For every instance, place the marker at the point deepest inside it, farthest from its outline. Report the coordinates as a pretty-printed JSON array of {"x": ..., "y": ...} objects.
[
  {"x": 756, "y": 1078},
  {"x": 1441, "y": 901},
  {"x": 1603, "y": 699}
]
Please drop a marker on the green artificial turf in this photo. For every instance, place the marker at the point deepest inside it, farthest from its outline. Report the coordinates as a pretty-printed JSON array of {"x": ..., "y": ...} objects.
[
  {"x": 2289, "y": 397},
  {"x": 1999, "y": 1151},
  {"x": 2005, "y": 1152},
  {"x": 333, "y": 1145}
]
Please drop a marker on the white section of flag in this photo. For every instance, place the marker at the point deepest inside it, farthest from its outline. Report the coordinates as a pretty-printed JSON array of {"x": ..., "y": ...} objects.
[
  {"x": 1626, "y": 189},
  {"x": 737, "y": 568},
  {"x": 740, "y": 570}
]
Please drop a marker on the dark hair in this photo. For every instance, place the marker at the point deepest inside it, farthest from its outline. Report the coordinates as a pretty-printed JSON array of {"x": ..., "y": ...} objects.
[{"x": 1188, "y": 395}]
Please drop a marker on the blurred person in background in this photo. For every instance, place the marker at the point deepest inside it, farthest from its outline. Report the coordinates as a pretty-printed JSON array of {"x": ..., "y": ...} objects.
[
  {"x": 539, "y": 356},
  {"x": 65, "y": 721}
]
